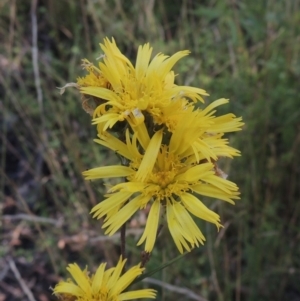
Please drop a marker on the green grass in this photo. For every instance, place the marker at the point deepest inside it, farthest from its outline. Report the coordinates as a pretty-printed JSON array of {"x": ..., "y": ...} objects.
[{"x": 247, "y": 51}]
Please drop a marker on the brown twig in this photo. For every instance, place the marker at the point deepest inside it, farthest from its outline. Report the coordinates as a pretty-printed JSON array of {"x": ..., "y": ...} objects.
[
  {"x": 159, "y": 229},
  {"x": 34, "y": 49},
  {"x": 22, "y": 283},
  {"x": 104, "y": 238},
  {"x": 32, "y": 218},
  {"x": 172, "y": 288},
  {"x": 145, "y": 257}
]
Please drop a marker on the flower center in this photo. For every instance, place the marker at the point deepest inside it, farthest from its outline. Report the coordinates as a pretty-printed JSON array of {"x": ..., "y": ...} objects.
[{"x": 162, "y": 179}]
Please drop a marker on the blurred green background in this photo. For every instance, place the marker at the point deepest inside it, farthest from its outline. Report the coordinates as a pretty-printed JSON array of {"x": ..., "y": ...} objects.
[{"x": 247, "y": 51}]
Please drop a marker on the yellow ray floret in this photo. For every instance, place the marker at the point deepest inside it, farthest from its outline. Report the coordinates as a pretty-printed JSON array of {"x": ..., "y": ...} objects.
[
  {"x": 104, "y": 285},
  {"x": 129, "y": 92},
  {"x": 200, "y": 132},
  {"x": 167, "y": 182}
]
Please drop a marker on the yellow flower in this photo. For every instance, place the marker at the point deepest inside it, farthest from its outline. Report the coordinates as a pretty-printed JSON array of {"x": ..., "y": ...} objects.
[
  {"x": 133, "y": 92},
  {"x": 201, "y": 133},
  {"x": 94, "y": 78},
  {"x": 165, "y": 177},
  {"x": 104, "y": 285}
]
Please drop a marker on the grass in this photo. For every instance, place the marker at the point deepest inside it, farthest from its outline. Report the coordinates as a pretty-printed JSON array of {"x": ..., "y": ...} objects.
[{"x": 242, "y": 50}]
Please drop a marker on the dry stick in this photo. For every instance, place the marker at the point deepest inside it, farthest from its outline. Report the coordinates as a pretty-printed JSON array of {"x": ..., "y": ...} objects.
[
  {"x": 159, "y": 229},
  {"x": 33, "y": 218},
  {"x": 104, "y": 238},
  {"x": 26, "y": 208},
  {"x": 145, "y": 257},
  {"x": 37, "y": 81},
  {"x": 3, "y": 272},
  {"x": 172, "y": 288},
  {"x": 5, "y": 98},
  {"x": 213, "y": 268},
  {"x": 17, "y": 274},
  {"x": 34, "y": 50},
  {"x": 123, "y": 228}
]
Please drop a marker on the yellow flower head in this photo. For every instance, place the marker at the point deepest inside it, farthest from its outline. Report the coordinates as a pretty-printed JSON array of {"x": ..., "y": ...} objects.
[
  {"x": 166, "y": 177},
  {"x": 104, "y": 285},
  {"x": 133, "y": 92},
  {"x": 200, "y": 132}
]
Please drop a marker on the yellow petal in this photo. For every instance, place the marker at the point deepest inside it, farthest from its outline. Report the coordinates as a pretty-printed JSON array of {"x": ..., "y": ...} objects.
[
  {"x": 176, "y": 230},
  {"x": 151, "y": 227},
  {"x": 123, "y": 215},
  {"x": 215, "y": 192},
  {"x": 113, "y": 279},
  {"x": 97, "y": 280},
  {"x": 68, "y": 288},
  {"x": 196, "y": 173},
  {"x": 114, "y": 201},
  {"x": 99, "y": 92},
  {"x": 127, "y": 278},
  {"x": 150, "y": 156},
  {"x": 79, "y": 277},
  {"x": 114, "y": 171},
  {"x": 196, "y": 207},
  {"x": 139, "y": 294},
  {"x": 142, "y": 61}
]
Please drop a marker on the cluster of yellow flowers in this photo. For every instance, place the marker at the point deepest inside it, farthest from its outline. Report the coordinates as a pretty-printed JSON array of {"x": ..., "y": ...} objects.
[{"x": 170, "y": 147}]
